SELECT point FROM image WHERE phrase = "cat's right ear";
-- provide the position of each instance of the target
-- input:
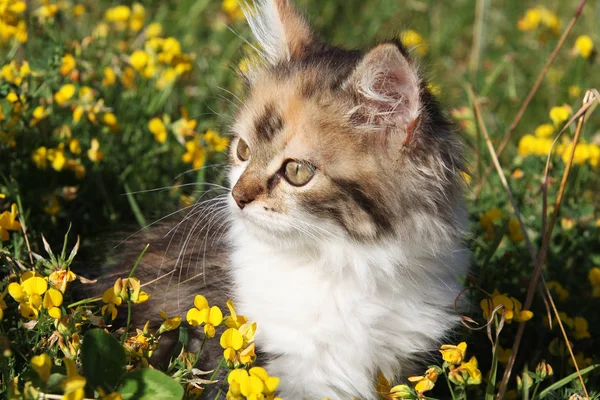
(386, 88)
(281, 31)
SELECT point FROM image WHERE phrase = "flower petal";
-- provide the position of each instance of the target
(200, 302)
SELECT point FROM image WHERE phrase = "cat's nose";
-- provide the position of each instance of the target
(241, 200)
(245, 192)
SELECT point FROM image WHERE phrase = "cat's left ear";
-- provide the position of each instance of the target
(280, 29)
(386, 87)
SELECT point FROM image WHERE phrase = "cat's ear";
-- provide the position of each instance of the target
(386, 87)
(280, 30)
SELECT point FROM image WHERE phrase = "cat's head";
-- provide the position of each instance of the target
(330, 141)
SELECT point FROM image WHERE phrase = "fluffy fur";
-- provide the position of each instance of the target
(356, 270)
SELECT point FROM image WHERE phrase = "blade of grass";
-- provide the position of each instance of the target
(532, 92)
(137, 212)
(564, 381)
(478, 33)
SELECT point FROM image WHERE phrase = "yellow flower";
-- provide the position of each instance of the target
(583, 46)
(238, 345)
(60, 278)
(139, 59)
(110, 309)
(154, 30)
(128, 77)
(514, 231)
(39, 113)
(47, 11)
(232, 9)
(580, 156)
(109, 77)
(453, 354)
(474, 372)
(52, 300)
(253, 384)
(39, 157)
(64, 94)
(94, 152)
(14, 73)
(580, 328)
(195, 154)
(184, 127)
(8, 222)
(171, 48)
(75, 146)
(129, 289)
(544, 131)
(78, 10)
(74, 385)
(234, 320)
(169, 324)
(574, 91)
(158, 128)
(562, 293)
(12, 97)
(211, 317)
(215, 142)
(138, 13)
(413, 41)
(532, 145)
(530, 21)
(426, 381)
(487, 221)
(28, 293)
(511, 307)
(68, 64)
(560, 114)
(467, 373)
(142, 344)
(42, 364)
(110, 120)
(117, 14)
(166, 78)
(57, 157)
(401, 392)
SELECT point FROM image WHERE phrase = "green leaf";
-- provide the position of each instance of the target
(149, 384)
(103, 359)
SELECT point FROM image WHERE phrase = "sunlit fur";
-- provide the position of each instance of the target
(356, 271)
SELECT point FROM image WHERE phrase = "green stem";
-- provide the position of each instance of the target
(221, 363)
(535, 390)
(84, 301)
(138, 260)
(128, 322)
(449, 385)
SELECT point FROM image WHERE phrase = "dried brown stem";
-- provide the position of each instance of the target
(532, 92)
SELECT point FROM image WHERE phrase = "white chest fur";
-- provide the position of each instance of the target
(331, 317)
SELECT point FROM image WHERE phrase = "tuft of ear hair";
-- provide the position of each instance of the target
(281, 31)
(386, 88)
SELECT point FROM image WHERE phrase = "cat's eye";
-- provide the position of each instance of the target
(298, 173)
(243, 151)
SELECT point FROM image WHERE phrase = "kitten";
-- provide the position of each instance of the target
(345, 216)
